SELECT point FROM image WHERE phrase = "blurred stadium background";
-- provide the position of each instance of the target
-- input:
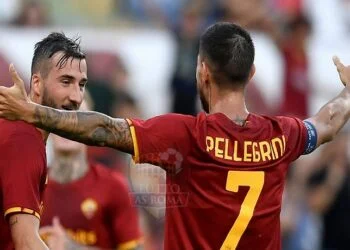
(141, 62)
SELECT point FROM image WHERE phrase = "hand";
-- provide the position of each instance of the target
(343, 71)
(55, 236)
(14, 102)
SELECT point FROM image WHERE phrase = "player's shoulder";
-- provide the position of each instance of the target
(266, 118)
(222, 118)
(107, 175)
(99, 170)
(272, 118)
(254, 121)
(282, 123)
(283, 120)
(12, 128)
(177, 117)
(165, 122)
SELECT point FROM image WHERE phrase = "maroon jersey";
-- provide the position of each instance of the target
(296, 84)
(22, 174)
(96, 210)
(224, 181)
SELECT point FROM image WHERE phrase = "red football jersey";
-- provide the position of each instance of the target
(224, 181)
(96, 210)
(22, 173)
(296, 83)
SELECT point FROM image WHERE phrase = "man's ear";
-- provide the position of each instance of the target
(36, 84)
(252, 72)
(205, 73)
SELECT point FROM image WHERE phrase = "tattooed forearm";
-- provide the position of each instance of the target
(91, 128)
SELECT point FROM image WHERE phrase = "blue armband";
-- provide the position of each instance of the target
(311, 138)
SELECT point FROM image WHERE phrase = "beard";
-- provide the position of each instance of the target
(48, 100)
(204, 102)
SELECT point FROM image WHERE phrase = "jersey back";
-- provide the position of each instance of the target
(228, 179)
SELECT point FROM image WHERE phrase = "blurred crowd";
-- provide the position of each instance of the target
(317, 194)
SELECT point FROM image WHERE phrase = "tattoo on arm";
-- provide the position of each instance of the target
(332, 117)
(13, 221)
(91, 128)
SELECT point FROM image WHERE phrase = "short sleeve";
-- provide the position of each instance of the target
(124, 214)
(22, 166)
(295, 133)
(163, 140)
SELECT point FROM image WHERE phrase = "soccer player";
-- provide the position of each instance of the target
(226, 167)
(58, 80)
(92, 203)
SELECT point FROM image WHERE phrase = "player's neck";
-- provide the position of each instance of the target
(231, 104)
(66, 169)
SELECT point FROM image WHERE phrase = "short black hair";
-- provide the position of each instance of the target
(49, 46)
(229, 51)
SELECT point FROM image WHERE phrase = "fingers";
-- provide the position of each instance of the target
(46, 230)
(2, 90)
(15, 77)
(56, 221)
(338, 63)
(2, 105)
(335, 60)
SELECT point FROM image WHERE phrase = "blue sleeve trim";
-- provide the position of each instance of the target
(311, 137)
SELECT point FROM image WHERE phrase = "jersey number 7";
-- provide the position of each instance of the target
(255, 181)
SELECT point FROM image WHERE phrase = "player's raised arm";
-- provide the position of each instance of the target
(91, 128)
(332, 116)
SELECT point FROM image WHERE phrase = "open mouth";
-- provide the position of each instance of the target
(68, 108)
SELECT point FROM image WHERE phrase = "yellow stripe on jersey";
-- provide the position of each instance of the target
(129, 245)
(134, 140)
(129, 121)
(37, 215)
(13, 210)
(21, 210)
(27, 211)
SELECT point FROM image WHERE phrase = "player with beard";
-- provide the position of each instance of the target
(225, 169)
(87, 206)
(59, 75)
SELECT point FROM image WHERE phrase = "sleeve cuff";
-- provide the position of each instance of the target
(136, 155)
(21, 210)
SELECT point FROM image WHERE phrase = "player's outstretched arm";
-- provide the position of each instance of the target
(332, 116)
(91, 128)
